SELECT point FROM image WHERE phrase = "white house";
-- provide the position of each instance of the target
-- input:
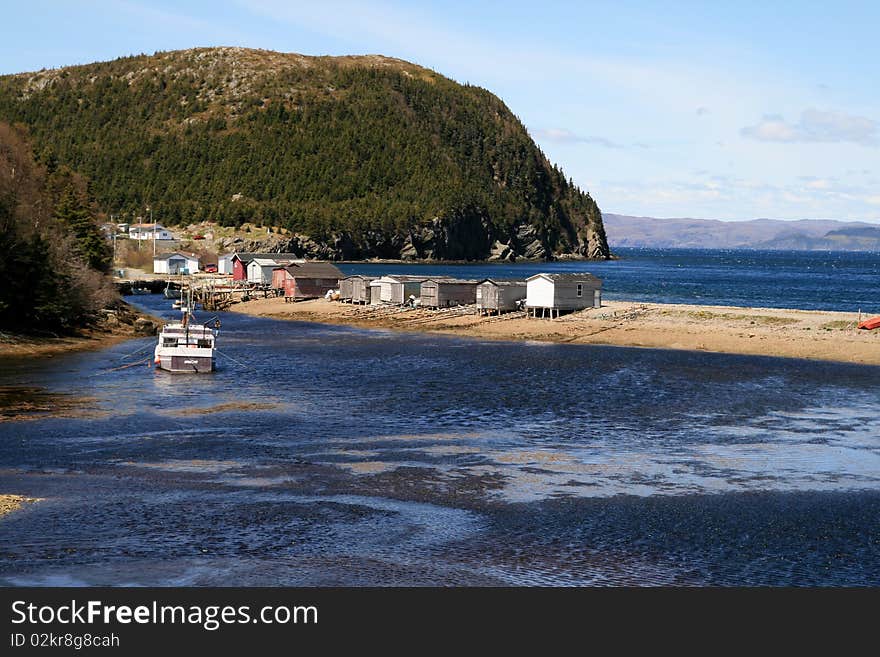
(562, 292)
(176, 263)
(149, 232)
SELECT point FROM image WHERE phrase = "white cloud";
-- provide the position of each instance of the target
(563, 136)
(816, 126)
(804, 198)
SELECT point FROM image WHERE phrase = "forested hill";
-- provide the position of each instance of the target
(55, 258)
(366, 156)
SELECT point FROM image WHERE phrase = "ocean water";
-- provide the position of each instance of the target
(321, 455)
(807, 280)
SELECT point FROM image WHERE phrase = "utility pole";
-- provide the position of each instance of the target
(150, 210)
(113, 228)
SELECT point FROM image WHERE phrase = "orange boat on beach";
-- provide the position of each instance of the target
(870, 324)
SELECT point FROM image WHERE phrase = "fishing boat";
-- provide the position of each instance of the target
(870, 324)
(186, 345)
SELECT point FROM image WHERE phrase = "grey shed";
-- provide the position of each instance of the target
(355, 288)
(446, 292)
(499, 296)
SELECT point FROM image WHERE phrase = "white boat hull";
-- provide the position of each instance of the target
(184, 360)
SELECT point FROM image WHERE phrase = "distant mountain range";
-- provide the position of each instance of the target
(802, 235)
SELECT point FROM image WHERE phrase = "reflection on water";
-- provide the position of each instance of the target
(341, 456)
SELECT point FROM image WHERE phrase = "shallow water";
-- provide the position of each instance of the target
(345, 456)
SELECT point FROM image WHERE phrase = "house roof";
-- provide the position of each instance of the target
(146, 227)
(264, 262)
(584, 277)
(314, 270)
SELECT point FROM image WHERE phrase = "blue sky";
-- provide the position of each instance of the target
(700, 109)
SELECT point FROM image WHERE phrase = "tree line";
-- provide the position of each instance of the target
(55, 258)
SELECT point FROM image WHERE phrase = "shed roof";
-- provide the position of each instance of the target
(246, 257)
(403, 278)
(179, 254)
(504, 282)
(314, 270)
(452, 281)
(264, 262)
(584, 277)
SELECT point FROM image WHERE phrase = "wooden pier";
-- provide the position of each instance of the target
(212, 292)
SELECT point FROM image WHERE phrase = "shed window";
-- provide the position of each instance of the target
(580, 289)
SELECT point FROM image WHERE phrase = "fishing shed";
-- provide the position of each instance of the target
(397, 289)
(260, 270)
(499, 296)
(176, 263)
(558, 293)
(241, 262)
(307, 280)
(375, 292)
(355, 289)
(446, 292)
(224, 264)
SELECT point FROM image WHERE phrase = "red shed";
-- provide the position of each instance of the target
(240, 262)
(239, 266)
(309, 280)
(279, 275)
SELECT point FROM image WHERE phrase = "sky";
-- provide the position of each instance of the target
(718, 110)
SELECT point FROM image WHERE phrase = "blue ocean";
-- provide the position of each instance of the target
(809, 280)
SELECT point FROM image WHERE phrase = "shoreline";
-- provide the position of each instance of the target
(116, 325)
(785, 333)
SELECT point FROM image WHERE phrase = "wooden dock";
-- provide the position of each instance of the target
(212, 292)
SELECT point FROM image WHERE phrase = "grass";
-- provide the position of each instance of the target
(765, 320)
(838, 324)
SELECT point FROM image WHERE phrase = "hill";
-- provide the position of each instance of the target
(356, 156)
(803, 235)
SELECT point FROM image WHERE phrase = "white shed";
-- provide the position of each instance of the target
(259, 270)
(176, 263)
(562, 292)
(397, 289)
(224, 264)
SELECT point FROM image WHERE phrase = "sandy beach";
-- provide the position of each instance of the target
(817, 335)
